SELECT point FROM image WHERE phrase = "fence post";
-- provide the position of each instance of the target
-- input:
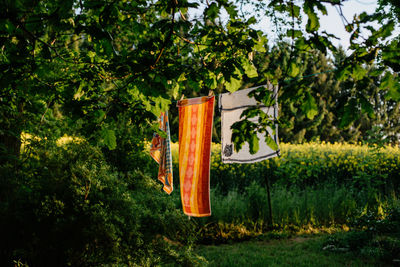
(269, 200)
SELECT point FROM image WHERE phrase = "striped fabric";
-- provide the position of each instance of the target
(195, 126)
(160, 151)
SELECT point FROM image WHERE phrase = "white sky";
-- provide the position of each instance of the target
(332, 23)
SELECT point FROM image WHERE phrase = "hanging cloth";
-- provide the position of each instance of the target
(160, 151)
(232, 105)
(195, 130)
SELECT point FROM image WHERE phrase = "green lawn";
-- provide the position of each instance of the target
(297, 251)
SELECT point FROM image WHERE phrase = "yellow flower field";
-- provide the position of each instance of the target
(312, 163)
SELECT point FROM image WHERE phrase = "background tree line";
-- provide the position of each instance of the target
(331, 98)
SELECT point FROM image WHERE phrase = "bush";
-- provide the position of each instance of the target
(66, 206)
(374, 234)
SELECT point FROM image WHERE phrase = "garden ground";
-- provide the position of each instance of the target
(304, 250)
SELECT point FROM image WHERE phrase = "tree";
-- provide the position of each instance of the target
(103, 71)
(97, 59)
(328, 99)
(378, 48)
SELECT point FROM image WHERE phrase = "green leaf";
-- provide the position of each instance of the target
(309, 107)
(367, 107)
(194, 85)
(350, 114)
(254, 144)
(79, 93)
(294, 70)
(271, 142)
(231, 10)
(109, 138)
(342, 74)
(394, 93)
(211, 80)
(251, 20)
(7, 26)
(387, 81)
(249, 69)
(349, 28)
(294, 33)
(91, 54)
(182, 77)
(260, 45)
(301, 44)
(312, 22)
(392, 85)
(234, 84)
(250, 112)
(295, 11)
(321, 8)
(160, 105)
(385, 31)
(211, 83)
(359, 72)
(212, 11)
(99, 115)
(175, 90)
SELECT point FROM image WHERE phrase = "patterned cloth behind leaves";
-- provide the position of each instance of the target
(160, 151)
(195, 129)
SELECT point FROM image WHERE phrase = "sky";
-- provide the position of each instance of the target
(332, 23)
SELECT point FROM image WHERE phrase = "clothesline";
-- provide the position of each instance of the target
(310, 75)
(196, 116)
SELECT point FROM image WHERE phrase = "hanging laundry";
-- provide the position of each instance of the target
(160, 151)
(232, 105)
(195, 129)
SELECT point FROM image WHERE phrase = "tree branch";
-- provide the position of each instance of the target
(153, 66)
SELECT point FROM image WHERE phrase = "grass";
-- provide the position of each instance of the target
(326, 205)
(294, 251)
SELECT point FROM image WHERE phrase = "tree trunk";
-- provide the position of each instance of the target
(10, 146)
(10, 139)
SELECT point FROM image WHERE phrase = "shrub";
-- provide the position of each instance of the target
(375, 234)
(66, 206)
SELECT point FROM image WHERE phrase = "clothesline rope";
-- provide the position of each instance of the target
(310, 75)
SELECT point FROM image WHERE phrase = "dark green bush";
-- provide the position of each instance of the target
(374, 234)
(66, 206)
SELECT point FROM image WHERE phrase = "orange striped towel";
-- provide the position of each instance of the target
(160, 151)
(195, 129)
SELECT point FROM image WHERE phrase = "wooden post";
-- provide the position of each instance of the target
(269, 200)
